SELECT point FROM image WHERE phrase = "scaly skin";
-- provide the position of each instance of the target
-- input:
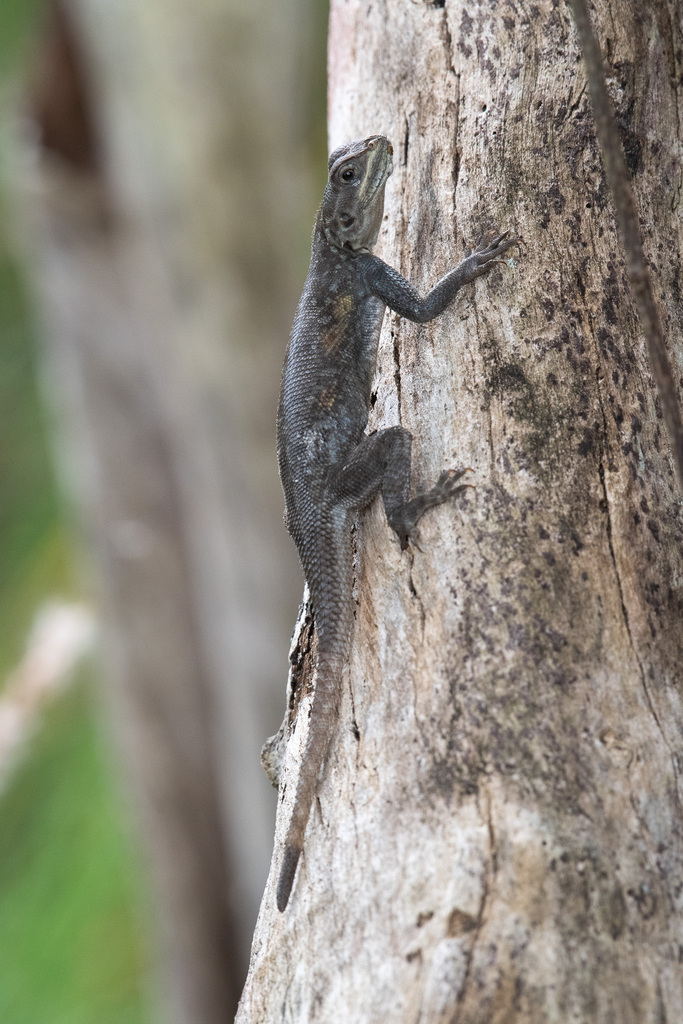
(329, 468)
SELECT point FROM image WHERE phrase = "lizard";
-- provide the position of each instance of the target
(330, 468)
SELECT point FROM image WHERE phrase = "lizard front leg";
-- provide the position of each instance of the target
(399, 294)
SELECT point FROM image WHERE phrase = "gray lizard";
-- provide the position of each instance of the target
(330, 469)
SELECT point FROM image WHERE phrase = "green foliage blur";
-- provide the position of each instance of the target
(70, 944)
(71, 941)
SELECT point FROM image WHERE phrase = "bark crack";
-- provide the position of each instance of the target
(489, 414)
(354, 720)
(406, 143)
(447, 38)
(676, 198)
(574, 107)
(485, 891)
(624, 610)
(416, 596)
(414, 593)
(397, 370)
(493, 847)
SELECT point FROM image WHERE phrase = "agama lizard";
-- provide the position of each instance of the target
(329, 468)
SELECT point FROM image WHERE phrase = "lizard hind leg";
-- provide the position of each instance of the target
(381, 463)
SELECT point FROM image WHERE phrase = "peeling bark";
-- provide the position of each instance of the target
(498, 835)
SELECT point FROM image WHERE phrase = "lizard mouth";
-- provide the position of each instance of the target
(380, 169)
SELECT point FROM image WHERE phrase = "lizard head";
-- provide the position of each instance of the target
(353, 203)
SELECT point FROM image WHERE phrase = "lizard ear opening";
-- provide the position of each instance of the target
(346, 219)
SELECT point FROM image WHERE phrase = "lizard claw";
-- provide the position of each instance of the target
(487, 250)
(447, 480)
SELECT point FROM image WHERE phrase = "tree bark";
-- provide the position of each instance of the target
(498, 835)
(619, 182)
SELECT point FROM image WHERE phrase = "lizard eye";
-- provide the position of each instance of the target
(348, 174)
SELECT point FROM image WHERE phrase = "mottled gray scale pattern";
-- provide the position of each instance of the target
(329, 468)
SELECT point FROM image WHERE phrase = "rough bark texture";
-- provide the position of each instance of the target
(639, 277)
(498, 835)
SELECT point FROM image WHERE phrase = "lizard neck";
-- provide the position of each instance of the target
(326, 244)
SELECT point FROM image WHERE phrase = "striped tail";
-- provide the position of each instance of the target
(323, 716)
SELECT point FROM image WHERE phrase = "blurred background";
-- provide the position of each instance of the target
(160, 165)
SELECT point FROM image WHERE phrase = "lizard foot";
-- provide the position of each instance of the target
(404, 519)
(489, 250)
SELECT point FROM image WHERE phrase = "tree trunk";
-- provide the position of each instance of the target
(498, 835)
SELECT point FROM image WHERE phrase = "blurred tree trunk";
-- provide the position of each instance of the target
(164, 200)
(498, 835)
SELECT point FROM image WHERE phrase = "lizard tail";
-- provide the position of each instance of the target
(323, 715)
